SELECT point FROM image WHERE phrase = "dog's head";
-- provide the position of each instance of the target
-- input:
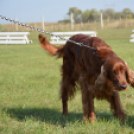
(115, 74)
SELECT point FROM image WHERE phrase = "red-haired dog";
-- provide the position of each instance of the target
(99, 72)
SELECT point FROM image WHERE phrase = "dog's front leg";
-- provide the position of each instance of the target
(91, 112)
(88, 105)
(116, 107)
(85, 104)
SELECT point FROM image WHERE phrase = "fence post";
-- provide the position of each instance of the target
(101, 21)
(42, 22)
(72, 22)
(16, 25)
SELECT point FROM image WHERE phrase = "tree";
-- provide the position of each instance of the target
(72, 10)
(110, 12)
(76, 14)
(129, 16)
(85, 15)
(95, 14)
(127, 13)
(133, 15)
(118, 15)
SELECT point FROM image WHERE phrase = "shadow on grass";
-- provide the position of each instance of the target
(107, 117)
(53, 116)
(130, 121)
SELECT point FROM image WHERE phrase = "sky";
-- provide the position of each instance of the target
(54, 10)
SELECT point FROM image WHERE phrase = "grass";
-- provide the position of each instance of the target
(29, 86)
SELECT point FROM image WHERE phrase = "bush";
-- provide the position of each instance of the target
(2, 28)
(129, 16)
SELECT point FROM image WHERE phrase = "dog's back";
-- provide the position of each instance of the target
(77, 55)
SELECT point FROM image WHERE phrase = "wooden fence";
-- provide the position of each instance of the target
(52, 27)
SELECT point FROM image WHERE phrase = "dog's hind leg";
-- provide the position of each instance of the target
(64, 96)
(84, 92)
(67, 85)
(66, 92)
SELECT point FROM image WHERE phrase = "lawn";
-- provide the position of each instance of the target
(29, 87)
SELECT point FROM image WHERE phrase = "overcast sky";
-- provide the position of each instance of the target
(54, 10)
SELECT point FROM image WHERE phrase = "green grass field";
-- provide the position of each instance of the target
(29, 87)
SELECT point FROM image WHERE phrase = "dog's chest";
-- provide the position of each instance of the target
(96, 87)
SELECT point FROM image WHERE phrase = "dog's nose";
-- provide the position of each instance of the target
(123, 86)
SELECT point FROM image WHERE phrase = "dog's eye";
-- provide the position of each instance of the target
(114, 72)
(123, 70)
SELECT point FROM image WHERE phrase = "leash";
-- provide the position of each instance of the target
(39, 30)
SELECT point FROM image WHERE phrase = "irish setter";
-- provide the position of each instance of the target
(99, 72)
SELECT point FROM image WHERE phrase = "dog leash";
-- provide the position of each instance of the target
(42, 31)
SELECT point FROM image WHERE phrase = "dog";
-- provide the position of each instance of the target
(99, 71)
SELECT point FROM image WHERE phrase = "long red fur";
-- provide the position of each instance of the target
(83, 66)
(46, 45)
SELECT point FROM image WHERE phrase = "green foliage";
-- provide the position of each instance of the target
(2, 28)
(72, 10)
(93, 14)
(76, 14)
(64, 21)
(117, 15)
(129, 16)
(109, 13)
(86, 15)
(127, 11)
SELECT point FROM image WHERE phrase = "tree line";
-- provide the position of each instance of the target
(94, 15)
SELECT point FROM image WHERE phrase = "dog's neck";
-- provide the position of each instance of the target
(108, 58)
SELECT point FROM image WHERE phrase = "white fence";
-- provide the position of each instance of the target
(14, 38)
(67, 35)
(132, 36)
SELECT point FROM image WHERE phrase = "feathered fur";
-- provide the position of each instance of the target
(99, 72)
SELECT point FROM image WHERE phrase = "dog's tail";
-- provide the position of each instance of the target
(52, 49)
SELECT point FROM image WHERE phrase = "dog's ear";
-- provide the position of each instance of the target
(130, 76)
(101, 80)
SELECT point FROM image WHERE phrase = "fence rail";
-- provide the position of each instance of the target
(114, 24)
